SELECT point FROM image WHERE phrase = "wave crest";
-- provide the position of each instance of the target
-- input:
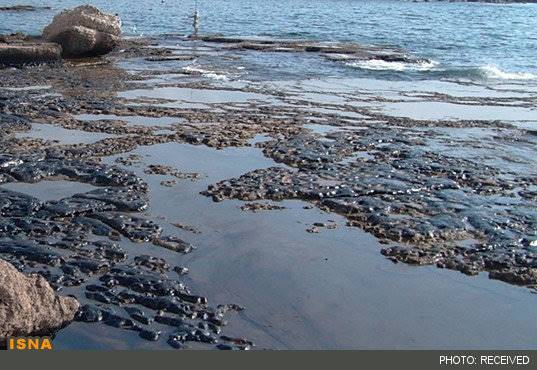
(494, 72)
(382, 65)
(206, 73)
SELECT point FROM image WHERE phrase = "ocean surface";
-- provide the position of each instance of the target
(475, 41)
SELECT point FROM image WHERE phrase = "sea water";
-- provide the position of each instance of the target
(475, 41)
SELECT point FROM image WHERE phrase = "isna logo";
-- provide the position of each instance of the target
(29, 344)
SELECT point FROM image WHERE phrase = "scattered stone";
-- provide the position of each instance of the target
(313, 230)
(155, 169)
(256, 207)
(150, 335)
(152, 263)
(89, 313)
(189, 228)
(173, 243)
(168, 183)
(139, 315)
(180, 270)
(129, 160)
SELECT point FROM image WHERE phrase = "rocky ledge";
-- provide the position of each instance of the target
(22, 8)
(80, 32)
(19, 53)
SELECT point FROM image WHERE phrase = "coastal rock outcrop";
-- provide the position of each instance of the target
(29, 306)
(84, 31)
(14, 54)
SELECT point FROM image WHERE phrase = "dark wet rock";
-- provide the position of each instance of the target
(67, 278)
(97, 227)
(103, 297)
(168, 304)
(155, 169)
(176, 342)
(169, 320)
(90, 266)
(256, 207)
(109, 251)
(208, 326)
(29, 306)
(138, 315)
(144, 282)
(168, 183)
(129, 160)
(224, 308)
(34, 226)
(231, 347)
(189, 228)
(414, 256)
(238, 341)
(180, 270)
(89, 313)
(10, 123)
(152, 263)
(235, 343)
(150, 335)
(519, 276)
(84, 31)
(96, 288)
(14, 204)
(190, 333)
(136, 228)
(70, 207)
(30, 251)
(173, 243)
(123, 198)
(117, 321)
(313, 230)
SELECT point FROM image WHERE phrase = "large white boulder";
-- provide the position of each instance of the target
(84, 31)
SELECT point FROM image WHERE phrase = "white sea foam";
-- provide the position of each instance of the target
(206, 73)
(382, 65)
(494, 72)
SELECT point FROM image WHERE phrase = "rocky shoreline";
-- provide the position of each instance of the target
(391, 176)
(80, 32)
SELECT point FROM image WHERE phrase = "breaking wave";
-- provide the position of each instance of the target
(382, 65)
(487, 72)
(494, 72)
(206, 73)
